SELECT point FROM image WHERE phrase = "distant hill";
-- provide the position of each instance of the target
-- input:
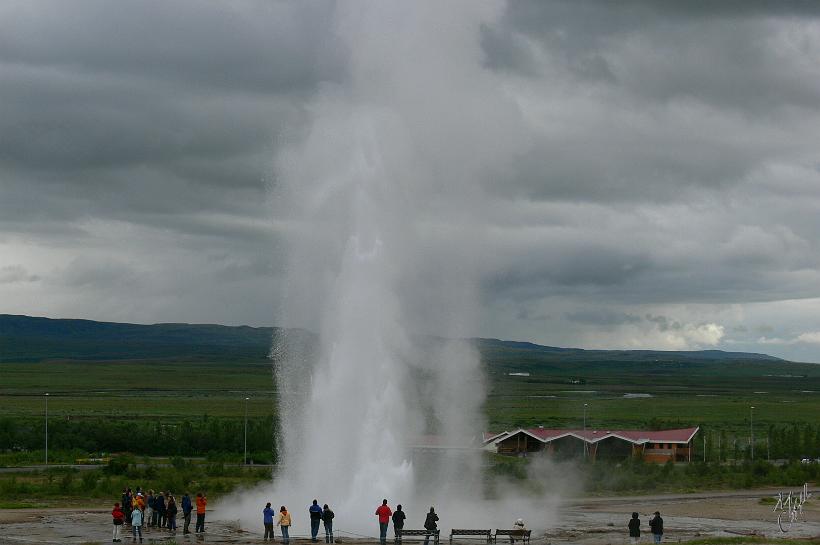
(30, 339)
(631, 355)
(24, 338)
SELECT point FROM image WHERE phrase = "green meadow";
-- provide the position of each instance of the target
(164, 382)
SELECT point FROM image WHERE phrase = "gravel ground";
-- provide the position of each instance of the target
(591, 521)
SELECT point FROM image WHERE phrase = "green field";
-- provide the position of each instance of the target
(171, 377)
(129, 389)
(187, 389)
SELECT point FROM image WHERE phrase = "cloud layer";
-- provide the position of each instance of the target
(640, 174)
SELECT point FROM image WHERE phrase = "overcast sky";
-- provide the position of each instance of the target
(658, 184)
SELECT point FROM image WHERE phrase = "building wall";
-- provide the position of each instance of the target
(611, 448)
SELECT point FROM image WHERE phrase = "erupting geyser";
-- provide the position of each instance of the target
(379, 201)
(360, 397)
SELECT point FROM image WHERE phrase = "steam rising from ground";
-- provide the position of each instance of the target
(382, 203)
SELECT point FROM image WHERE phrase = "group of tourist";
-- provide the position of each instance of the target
(655, 526)
(398, 516)
(151, 510)
(324, 515)
(160, 511)
(283, 520)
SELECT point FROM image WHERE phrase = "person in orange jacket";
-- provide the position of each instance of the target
(119, 519)
(139, 502)
(201, 502)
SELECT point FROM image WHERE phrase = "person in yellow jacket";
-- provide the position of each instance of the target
(284, 522)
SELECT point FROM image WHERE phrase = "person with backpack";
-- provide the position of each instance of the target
(327, 520)
(656, 525)
(284, 522)
(430, 525)
(635, 529)
(315, 518)
(119, 519)
(267, 520)
(398, 521)
(187, 507)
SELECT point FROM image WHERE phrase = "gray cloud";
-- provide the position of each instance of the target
(13, 274)
(602, 317)
(618, 173)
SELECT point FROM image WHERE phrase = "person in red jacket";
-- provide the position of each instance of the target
(119, 518)
(383, 512)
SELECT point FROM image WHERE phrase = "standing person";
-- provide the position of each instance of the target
(267, 519)
(430, 525)
(635, 528)
(398, 521)
(159, 505)
(384, 513)
(201, 503)
(284, 522)
(128, 506)
(171, 513)
(136, 524)
(119, 518)
(187, 507)
(315, 518)
(327, 519)
(149, 509)
(656, 525)
(125, 505)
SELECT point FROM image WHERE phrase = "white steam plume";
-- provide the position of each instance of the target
(383, 199)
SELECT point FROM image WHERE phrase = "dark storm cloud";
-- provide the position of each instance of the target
(641, 159)
(724, 53)
(131, 110)
(253, 47)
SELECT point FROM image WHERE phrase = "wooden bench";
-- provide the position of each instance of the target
(523, 535)
(486, 534)
(419, 534)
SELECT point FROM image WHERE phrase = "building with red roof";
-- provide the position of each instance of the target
(658, 446)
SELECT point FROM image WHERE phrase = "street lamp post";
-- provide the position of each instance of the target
(752, 429)
(246, 430)
(46, 428)
(585, 431)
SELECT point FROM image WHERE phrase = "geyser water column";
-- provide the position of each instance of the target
(354, 416)
(380, 200)
(346, 411)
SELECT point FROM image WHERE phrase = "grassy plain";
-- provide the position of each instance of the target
(715, 394)
(131, 389)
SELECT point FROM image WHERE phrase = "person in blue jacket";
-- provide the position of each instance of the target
(315, 519)
(267, 514)
(187, 507)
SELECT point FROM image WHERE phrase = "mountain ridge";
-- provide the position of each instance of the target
(31, 338)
